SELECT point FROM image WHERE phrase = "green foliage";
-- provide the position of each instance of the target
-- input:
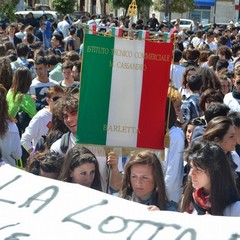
(7, 8)
(125, 3)
(178, 6)
(64, 6)
(159, 5)
(181, 6)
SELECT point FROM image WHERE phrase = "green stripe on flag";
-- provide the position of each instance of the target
(166, 37)
(88, 29)
(140, 34)
(96, 85)
(114, 31)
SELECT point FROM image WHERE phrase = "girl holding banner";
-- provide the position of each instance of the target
(143, 182)
(81, 166)
(211, 188)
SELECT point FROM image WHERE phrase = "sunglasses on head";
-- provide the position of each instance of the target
(55, 98)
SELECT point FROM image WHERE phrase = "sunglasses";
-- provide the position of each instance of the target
(55, 98)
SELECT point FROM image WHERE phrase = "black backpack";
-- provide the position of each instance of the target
(40, 146)
(65, 142)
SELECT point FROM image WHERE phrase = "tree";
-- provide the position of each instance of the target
(8, 9)
(178, 6)
(103, 6)
(64, 6)
(125, 3)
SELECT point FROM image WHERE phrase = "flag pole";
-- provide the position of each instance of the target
(167, 137)
(132, 11)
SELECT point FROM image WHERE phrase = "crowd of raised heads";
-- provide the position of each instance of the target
(198, 173)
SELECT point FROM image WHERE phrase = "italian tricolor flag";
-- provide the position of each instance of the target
(116, 31)
(168, 37)
(91, 29)
(123, 92)
(143, 34)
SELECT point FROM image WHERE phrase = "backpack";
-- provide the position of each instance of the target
(17, 65)
(65, 142)
(195, 113)
(43, 142)
(23, 121)
(22, 118)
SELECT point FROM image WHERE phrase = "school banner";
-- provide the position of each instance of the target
(123, 92)
(37, 208)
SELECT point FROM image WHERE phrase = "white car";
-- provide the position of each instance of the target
(208, 26)
(184, 23)
(51, 15)
(97, 21)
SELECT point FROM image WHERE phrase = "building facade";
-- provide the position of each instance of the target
(209, 11)
(205, 11)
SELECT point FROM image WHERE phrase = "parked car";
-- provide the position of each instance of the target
(38, 7)
(184, 23)
(29, 8)
(102, 15)
(79, 14)
(4, 21)
(43, 7)
(208, 26)
(51, 15)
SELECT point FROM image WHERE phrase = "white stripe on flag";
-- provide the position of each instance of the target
(91, 29)
(167, 37)
(141, 34)
(123, 96)
(116, 31)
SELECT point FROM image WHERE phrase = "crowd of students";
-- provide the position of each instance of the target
(198, 173)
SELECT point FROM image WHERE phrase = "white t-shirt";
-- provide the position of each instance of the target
(64, 26)
(212, 45)
(38, 126)
(196, 41)
(233, 210)
(231, 102)
(39, 90)
(176, 75)
(236, 160)
(10, 145)
(173, 164)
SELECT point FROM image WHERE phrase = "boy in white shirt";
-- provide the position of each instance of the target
(41, 83)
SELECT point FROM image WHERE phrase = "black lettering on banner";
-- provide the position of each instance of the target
(235, 236)
(13, 180)
(190, 231)
(55, 190)
(5, 185)
(7, 201)
(70, 219)
(15, 236)
(159, 227)
(10, 225)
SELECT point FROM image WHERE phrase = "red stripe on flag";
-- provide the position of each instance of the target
(147, 34)
(120, 32)
(173, 36)
(154, 93)
(94, 29)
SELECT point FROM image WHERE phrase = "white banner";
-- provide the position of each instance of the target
(39, 208)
